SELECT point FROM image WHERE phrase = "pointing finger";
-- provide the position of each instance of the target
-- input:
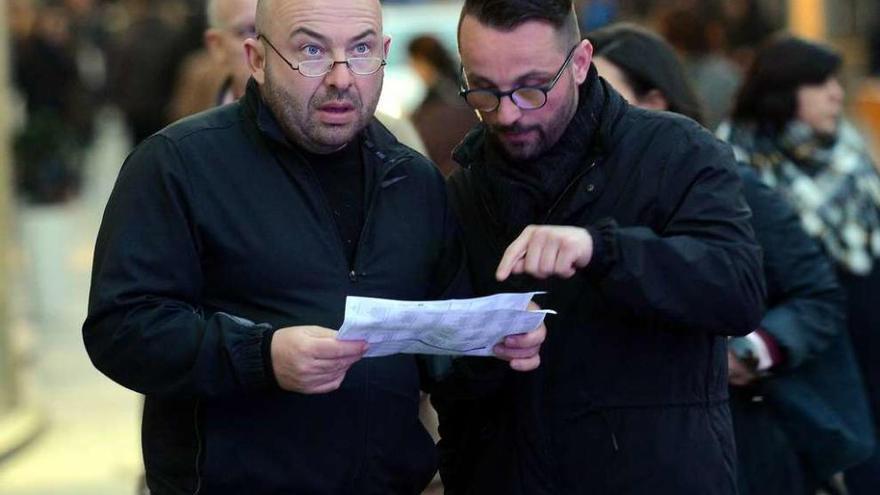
(513, 254)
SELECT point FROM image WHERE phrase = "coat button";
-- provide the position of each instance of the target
(352, 275)
(591, 187)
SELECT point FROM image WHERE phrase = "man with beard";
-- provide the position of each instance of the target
(634, 223)
(227, 249)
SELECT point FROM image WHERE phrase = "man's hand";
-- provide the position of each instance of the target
(309, 359)
(543, 251)
(522, 350)
(739, 373)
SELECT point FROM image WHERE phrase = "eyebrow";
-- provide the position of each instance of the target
(320, 37)
(366, 34)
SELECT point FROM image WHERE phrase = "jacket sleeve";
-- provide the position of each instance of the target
(698, 268)
(145, 328)
(805, 304)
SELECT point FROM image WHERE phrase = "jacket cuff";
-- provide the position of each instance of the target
(266, 353)
(770, 353)
(605, 248)
(252, 352)
(759, 349)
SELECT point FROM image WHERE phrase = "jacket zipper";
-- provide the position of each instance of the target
(328, 211)
(353, 274)
(353, 277)
(352, 267)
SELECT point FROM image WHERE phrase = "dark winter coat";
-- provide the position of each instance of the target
(631, 395)
(216, 234)
(810, 418)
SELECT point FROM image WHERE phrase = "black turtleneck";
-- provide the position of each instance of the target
(341, 175)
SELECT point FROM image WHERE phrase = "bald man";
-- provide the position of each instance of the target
(227, 249)
(230, 23)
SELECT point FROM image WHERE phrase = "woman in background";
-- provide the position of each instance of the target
(787, 123)
(443, 118)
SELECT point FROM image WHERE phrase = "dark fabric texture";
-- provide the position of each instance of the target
(864, 478)
(215, 234)
(341, 175)
(863, 314)
(767, 462)
(631, 396)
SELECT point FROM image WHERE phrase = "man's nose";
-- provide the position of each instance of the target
(339, 76)
(507, 112)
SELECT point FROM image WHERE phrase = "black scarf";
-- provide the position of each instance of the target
(523, 192)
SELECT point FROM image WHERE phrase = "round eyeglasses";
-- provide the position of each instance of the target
(524, 97)
(362, 66)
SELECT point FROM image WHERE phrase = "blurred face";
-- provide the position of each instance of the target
(226, 41)
(529, 55)
(615, 77)
(820, 105)
(423, 69)
(322, 113)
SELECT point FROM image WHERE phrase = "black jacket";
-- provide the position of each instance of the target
(216, 222)
(631, 394)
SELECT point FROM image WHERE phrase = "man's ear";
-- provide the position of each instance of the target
(256, 59)
(213, 39)
(583, 56)
(386, 44)
(654, 100)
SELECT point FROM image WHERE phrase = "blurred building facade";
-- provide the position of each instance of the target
(16, 427)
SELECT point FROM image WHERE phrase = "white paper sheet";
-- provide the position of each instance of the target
(456, 326)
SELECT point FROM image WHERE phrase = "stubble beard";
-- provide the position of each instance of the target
(300, 122)
(547, 135)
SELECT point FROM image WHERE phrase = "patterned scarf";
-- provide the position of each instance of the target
(832, 183)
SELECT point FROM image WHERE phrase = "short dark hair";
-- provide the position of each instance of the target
(768, 95)
(506, 15)
(648, 63)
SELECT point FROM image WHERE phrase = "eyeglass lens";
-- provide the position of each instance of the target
(525, 98)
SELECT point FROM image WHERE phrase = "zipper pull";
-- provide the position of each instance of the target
(353, 276)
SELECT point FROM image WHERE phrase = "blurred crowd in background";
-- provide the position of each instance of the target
(71, 58)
